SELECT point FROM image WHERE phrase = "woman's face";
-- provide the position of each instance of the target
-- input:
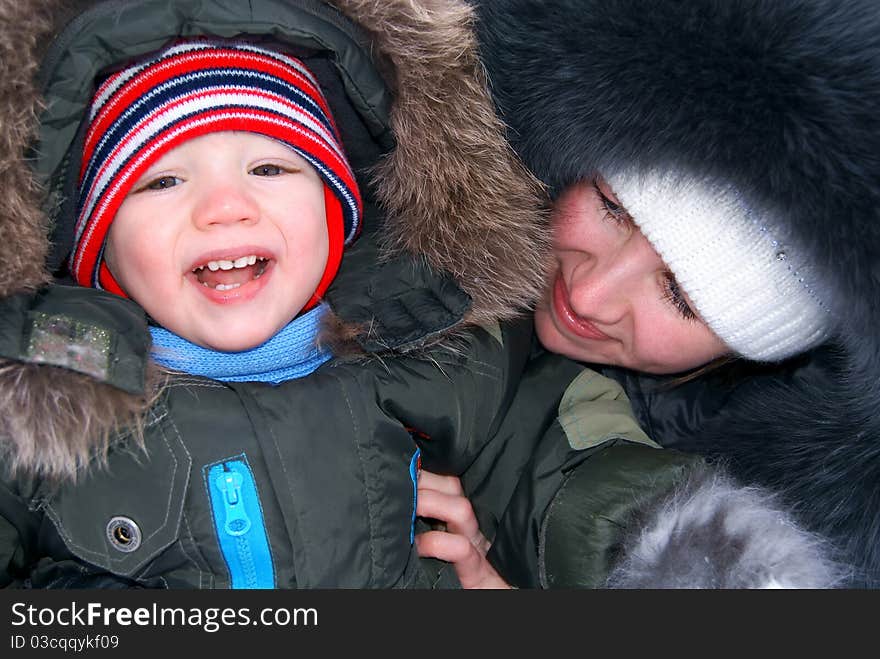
(611, 299)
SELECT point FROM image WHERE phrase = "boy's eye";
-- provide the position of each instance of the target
(673, 295)
(162, 183)
(267, 170)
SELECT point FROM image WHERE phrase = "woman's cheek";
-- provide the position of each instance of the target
(674, 349)
(545, 329)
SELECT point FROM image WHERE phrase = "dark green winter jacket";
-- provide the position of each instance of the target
(309, 483)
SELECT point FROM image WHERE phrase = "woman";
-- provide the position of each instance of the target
(732, 147)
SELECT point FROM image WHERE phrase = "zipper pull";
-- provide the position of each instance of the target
(237, 522)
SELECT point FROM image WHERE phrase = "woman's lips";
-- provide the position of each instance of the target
(568, 318)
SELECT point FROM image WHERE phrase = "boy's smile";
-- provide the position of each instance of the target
(230, 272)
(223, 240)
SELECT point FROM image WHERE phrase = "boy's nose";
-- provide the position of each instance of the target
(225, 203)
(605, 287)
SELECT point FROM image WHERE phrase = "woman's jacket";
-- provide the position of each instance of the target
(779, 99)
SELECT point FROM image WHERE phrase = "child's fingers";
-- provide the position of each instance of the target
(445, 484)
(454, 549)
(448, 547)
(455, 510)
(473, 570)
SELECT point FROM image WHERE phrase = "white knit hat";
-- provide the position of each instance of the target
(754, 291)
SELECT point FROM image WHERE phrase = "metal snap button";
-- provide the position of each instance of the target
(124, 534)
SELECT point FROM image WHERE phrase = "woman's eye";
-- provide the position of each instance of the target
(267, 170)
(162, 183)
(673, 295)
(612, 210)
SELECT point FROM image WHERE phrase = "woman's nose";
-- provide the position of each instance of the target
(225, 202)
(605, 287)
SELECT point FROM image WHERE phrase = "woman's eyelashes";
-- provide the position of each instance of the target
(673, 294)
(611, 210)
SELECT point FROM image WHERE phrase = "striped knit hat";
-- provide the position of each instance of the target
(188, 90)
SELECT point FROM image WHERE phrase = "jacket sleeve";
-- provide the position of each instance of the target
(79, 329)
(454, 398)
(598, 504)
(565, 419)
(72, 359)
(706, 531)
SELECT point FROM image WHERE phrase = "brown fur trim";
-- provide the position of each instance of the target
(339, 337)
(71, 420)
(23, 228)
(453, 189)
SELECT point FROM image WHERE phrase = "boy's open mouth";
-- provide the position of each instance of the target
(224, 275)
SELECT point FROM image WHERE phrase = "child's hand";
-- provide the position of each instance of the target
(462, 544)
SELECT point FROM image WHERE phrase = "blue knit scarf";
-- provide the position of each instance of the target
(292, 353)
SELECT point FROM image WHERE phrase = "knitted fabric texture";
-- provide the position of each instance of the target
(757, 293)
(291, 353)
(192, 89)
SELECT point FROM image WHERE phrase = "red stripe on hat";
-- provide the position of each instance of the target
(186, 65)
(336, 241)
(108, 281)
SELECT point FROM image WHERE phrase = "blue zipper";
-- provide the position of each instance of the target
(238, 520)
(415, 465)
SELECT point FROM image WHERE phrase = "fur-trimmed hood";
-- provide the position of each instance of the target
(451, 190)
(780, 100)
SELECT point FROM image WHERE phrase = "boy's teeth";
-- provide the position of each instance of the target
(223, 264)
(221, 287)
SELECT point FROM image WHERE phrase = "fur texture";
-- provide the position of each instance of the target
(454, 193)
(711, 532)
(453, 188)
(22, 226)
(70, 421)
(780, 99)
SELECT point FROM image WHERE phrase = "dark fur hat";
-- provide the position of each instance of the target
(781, 100)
